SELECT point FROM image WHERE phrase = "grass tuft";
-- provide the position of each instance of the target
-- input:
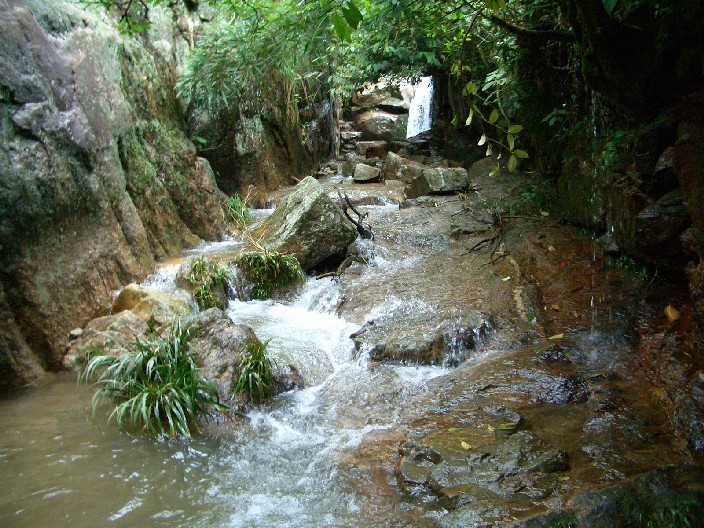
(255, 378)
(156, 385)
(270, 270)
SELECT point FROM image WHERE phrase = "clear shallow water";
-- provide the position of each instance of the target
(279, 467)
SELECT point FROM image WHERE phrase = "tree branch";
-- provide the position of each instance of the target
(536, 35)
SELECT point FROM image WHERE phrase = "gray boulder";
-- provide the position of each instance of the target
(400, 168)
(308, 224)
(378, 125)
(366, 174)
(439, 180)
(219, 344)
(105, 335)
(383, 96)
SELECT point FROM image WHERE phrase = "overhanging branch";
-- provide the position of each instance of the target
(536, 35)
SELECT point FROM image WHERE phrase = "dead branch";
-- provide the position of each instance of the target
(364, 231)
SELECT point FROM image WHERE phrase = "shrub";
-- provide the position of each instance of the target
(206, 277)
(156, 385)
(255, 378)
(238, 209)
(270, 270)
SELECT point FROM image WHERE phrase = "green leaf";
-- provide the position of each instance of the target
(482, 140)
(493, 116)
(512, 163)
(352, 15)
(495, 171)
(610, 5)
(510, 140)
(469, 89)
(515, 129)
(341, 28)
(469, 117)
(521, 154)
(454, 121)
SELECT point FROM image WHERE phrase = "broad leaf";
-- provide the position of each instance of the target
(512, 163)
(482, 140)
(510, 140)
(341, 28)
(521, 154)
(352, 15)
(514, 129)
(493, 116)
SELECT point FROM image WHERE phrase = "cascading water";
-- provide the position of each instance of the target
(420, 112)
(278, 467)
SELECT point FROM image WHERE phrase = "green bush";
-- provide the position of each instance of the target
(206, 278)
(238, 209)
(270, 270)
(156, 385)
(255, 378)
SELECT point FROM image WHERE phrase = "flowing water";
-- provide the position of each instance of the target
(324, 455)
(276, 468)
(420, 112)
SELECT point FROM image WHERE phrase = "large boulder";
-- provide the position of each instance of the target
(439, 180)
(366, 174)
(384, 96)
(308, 224)
(219, 344)
(400, 168)
(379, 125)
(155, 307)
(109, 335)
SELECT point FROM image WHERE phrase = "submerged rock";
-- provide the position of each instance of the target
(155, 307)
(422, 336)
(308, 224)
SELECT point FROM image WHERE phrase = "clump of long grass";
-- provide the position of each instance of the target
(156, 386)
(206, 278)
(269, 270)
(255, 379)
(238, 210)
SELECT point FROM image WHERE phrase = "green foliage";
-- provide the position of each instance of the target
(255, 378)
(683, 513)
(206, 278)
(633, 270)
(156, 385)
(270, 270)
(238, 209)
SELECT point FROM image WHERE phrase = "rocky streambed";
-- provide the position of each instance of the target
(471, 367)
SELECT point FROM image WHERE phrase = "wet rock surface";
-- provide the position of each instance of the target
(552, 401)
(308, 224)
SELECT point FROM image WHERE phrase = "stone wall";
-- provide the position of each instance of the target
(97, 176)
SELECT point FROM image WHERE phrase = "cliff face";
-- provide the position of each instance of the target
(97, 176)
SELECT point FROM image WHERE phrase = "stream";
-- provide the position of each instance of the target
(325, 455)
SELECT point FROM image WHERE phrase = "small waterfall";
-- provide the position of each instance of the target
(419, 114)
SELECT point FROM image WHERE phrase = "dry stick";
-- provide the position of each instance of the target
(363, 231)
